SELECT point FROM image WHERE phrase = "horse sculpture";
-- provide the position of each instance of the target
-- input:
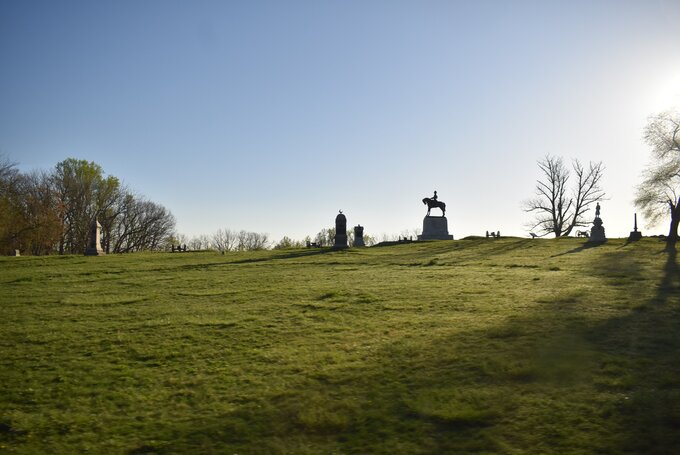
(431, 203)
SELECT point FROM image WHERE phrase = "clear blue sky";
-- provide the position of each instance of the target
(272, 115)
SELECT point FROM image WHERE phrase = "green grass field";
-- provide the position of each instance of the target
(472, 346)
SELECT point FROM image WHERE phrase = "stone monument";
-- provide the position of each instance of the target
(340, 231)
(435, 227)
(94, 246)
(597, 231)
(635, 234)
(358, 236)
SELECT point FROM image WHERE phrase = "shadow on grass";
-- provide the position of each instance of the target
(458, 251)
(289, 255)
(585, 246)
(669, 285)
(645, 347)
(553, 381)
(271, 257)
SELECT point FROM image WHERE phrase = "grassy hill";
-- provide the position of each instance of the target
(471, 346)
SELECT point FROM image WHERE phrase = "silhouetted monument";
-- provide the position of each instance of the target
(433, 202)
(635, 234)
(597, 231)
(340, 231)
(358, 236)
(435, 227)
(94, 247)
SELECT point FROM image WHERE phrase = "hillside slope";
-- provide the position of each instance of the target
(484, 346)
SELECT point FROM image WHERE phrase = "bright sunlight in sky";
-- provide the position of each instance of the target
(270, 116)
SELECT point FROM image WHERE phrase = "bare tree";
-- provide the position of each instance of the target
(412, 233)
(223, 240)
(558, 208)
(659, 192)
(8, 170)
(248, 241)
(200, 242)
(142, 225)
(258, 241)
(29, 218)
(42, 221)
(325, 236)
(11, 219)
(288, 243)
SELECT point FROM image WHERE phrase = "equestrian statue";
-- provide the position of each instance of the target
(434, 203)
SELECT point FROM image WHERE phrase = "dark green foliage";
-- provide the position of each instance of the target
(475, 346)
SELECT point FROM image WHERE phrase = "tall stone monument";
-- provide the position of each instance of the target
(340, 231)
(597, 231)
(358, 236)
(635, 234)
(94, 246)
(435, 227)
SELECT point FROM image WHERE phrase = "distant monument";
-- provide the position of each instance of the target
(597, 231)
(340, 231)
(635, 234)
(94, 246)
(435, 227)
(358, 236)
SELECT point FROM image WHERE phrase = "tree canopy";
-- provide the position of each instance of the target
(47, 212)
(659, 193)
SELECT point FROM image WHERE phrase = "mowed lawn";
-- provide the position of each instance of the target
(470, 346)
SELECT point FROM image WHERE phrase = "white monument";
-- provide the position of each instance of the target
(94, 246)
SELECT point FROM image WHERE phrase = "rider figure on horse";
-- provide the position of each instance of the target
(433, 202)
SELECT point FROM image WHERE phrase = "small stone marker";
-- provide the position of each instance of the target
(597, 231)
(340, 231)
(94, 247)
(635, 234)
(358, 236)
(16, 253)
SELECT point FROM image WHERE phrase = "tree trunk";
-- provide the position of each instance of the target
(675, 220)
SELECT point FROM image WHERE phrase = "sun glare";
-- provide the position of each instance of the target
(667, 95)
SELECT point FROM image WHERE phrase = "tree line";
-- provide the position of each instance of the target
(226, 240)
(45, 212)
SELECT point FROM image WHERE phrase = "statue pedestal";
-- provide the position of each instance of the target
(597, 231)
(340, 241)
(94, 252)
(634, 236)
(435, 228)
